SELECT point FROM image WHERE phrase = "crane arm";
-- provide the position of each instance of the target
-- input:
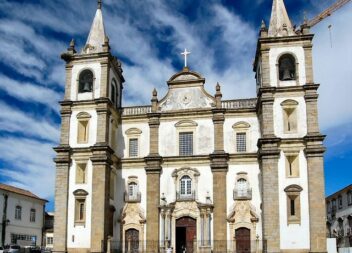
(327, 12)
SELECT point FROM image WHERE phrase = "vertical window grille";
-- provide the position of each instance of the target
(133, 147)
(241, 142)
(32, 215)
(186, 143)
(18, 212)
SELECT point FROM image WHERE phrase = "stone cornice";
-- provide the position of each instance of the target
(153, 164)
(63, 155)
(101, 154)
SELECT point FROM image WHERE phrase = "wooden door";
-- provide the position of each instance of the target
(243, 240)
(189, 226)
(132, 241)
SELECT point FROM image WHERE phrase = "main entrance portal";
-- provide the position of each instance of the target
(243, 240)
(186, 231)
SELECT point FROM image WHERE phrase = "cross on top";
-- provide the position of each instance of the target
(185, 53)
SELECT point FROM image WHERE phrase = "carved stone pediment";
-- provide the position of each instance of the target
(243, 212)
(186, 91)
(80, 193)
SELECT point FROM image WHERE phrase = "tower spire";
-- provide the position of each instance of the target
(96, 37)
(280, 24)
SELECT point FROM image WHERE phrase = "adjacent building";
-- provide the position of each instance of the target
(48, 236)
(22, 214)
(191, 171)
(339, 217)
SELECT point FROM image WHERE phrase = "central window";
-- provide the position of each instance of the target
(186, 186)
(186, 143)
(242, 187)
(241, 142)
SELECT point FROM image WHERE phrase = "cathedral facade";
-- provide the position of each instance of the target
(192, 172)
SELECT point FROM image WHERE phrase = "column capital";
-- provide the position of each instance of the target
(153, 164)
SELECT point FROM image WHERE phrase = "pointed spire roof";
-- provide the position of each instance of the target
(97, 34)
(280, 24)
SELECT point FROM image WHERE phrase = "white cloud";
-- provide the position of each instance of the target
(30, 92)
(31, 165)
(332, 68)
(15, 121)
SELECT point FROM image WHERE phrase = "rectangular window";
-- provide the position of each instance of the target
(80, 210)
(49, 240)
(241, 142)
(186, 143)
(133, 147)
(349, 198)
(18, 213)
(32, 215)
(82, 131)
(81, 173)
(340, 202)
(293, 210)
(292, 166)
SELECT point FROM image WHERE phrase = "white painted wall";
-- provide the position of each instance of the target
(274, 55)
(23, 226)
(253, 174)
(301, 238)
(230, 135)
(74, 128)
(143, 138)
(95, 67)
(203, 137)
(279, 118)
(81, 234)
(121, 187)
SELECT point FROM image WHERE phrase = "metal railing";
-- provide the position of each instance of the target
(136, 198)
(194, 246)
(242, 195)
(185, 197)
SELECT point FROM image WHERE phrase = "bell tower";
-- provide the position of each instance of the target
(291, 145)
(85, 160)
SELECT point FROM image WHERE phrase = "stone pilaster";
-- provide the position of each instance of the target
(103, 122)
(308, 58)
(266, 112)
(101, 161)
(315, 162)
(265, 67)
(68, 81)
(153, 169)
(104, 78)
(268, 161)
(65, 122)
(219, 167)
(62, 161)
(311, 98)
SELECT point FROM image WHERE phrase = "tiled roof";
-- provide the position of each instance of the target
(19, 191)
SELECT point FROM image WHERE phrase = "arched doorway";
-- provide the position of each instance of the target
(243, 240)
(132, 241)
(186, 231)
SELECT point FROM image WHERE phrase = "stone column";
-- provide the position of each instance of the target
(219, 169)
(315, 162)
(266, 112)
(153, 169)
(101, 160)
(63, 162)
(265, 66)
(102, 122)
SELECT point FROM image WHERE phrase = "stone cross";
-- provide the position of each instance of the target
(185, 53)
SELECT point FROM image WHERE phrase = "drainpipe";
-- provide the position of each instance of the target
(4, 220)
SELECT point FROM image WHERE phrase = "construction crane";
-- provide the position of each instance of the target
(327, 12)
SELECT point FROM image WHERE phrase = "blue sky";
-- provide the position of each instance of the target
(148, 37)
